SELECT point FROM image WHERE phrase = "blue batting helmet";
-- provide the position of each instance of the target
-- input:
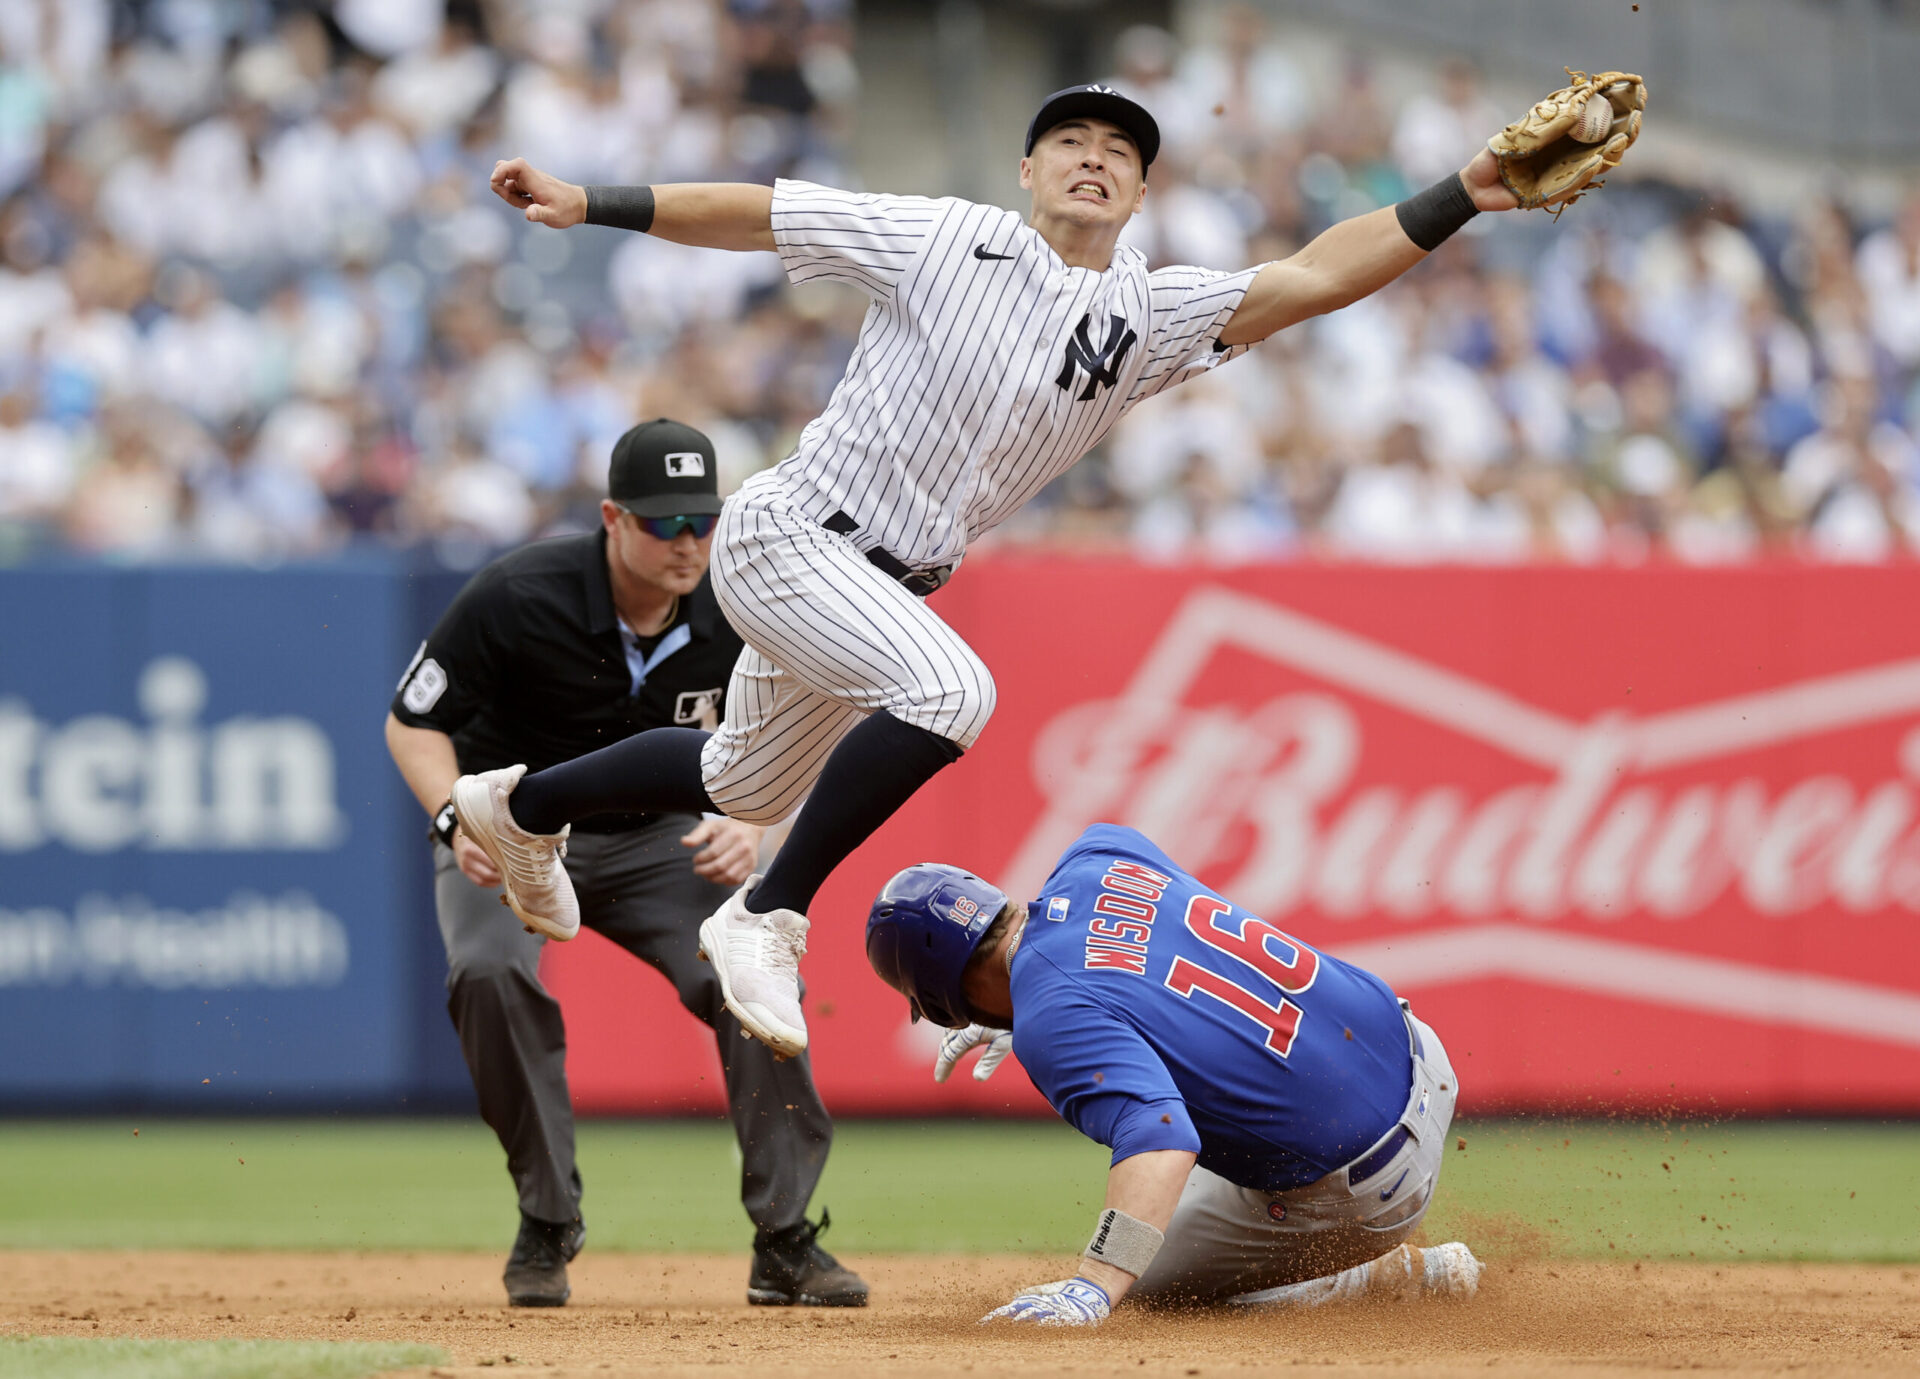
(923, 926)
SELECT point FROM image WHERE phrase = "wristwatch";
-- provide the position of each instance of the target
(445, 821)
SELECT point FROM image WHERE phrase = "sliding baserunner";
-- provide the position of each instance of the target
(1278, 1118)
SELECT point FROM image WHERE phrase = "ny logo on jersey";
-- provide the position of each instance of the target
(1102, 365)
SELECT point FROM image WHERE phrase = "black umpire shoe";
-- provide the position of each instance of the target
(537, 1269)
(790, 1269)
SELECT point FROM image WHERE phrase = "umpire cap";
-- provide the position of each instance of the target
(664, 468)
(1094, 101)
(923, 928)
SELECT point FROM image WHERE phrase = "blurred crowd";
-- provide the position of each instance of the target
(1656, 375)
(256, 301)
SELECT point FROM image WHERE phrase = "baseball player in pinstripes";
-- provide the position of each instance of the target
(996, 352)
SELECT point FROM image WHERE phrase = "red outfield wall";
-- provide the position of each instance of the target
(1627, 838)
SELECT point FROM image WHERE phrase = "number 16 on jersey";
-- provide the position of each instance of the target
(1249, 946)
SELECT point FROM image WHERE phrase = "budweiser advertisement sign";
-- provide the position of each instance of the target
(1629, 839)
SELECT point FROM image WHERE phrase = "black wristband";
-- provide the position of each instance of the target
(445, 821)
(1430, 216)
(624, 208)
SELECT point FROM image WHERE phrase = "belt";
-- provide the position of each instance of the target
(1414, 1046)
(916, 582)
(1377, 1158)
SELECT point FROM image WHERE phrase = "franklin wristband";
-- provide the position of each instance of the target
(1428, 217)
(624, 208)
(1126, 1242)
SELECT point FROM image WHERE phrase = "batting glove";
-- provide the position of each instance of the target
(999, 1043)
(1071, 1302)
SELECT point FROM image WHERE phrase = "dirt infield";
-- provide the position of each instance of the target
(684, 1314)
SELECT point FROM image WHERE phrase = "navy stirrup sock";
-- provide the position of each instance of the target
(651, 772)
(872, 772)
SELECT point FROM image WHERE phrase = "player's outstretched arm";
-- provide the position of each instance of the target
(1358, 257)
(1482, 180)
(546, 199)
(1144, 1189)
(708, 215)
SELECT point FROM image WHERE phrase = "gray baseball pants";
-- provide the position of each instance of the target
(639, 889)
(1225, 1241)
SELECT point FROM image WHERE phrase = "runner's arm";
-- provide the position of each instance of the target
(1146, 1187)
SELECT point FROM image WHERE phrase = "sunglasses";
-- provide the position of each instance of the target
(667, 528)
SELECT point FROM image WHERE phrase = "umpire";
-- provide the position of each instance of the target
(549, 652)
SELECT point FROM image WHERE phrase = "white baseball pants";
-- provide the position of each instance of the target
(829, 639)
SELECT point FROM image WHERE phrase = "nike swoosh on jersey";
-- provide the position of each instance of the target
(980, 252)
(1386, 1194)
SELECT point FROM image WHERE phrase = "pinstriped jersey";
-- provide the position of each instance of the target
(986, 364)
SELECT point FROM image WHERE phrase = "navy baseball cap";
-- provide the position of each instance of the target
(1094, 101)
(664, 468)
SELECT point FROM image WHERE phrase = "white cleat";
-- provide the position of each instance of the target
(533, 882)
(757, 958)
(1402, 1274)
(1452, 1271)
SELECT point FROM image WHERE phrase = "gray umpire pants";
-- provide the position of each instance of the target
(639, 889)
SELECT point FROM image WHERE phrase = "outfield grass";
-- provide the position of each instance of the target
(442, 1184)
(48, 1357)
(1791, 1190)
(1597, 1188)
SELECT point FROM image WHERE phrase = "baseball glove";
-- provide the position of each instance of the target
(1542, 161)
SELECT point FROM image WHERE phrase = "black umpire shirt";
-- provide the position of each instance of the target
(528, 664)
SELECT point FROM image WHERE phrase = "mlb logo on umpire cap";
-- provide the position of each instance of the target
(664, 468)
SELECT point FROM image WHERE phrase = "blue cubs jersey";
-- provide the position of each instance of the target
(1154, 1014)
